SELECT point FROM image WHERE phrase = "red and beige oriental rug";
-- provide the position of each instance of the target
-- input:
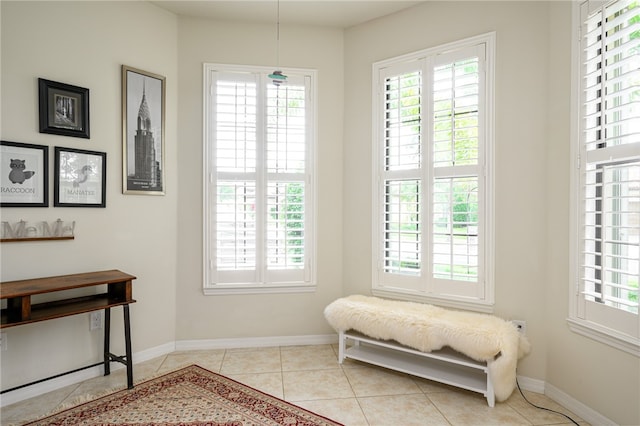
(190, 396)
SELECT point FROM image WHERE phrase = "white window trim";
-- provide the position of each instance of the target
(310, 284)
(486, 304)
(576, 324)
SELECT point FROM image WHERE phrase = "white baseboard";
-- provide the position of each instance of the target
(152, 353)
(575, 406)
(79, 376)
(49, 385)
(256, 342)
(532, 385)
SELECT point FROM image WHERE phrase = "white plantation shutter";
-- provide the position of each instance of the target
(235, 225)
(286, 164)
(235, 156)
(458, 147)
(456, 112)
(455, 229)
(402, 174)
(402, 121)
(259, 191)
(286, 127)
(431, 194)
(285, 225)
(402, 236)
(609, 168)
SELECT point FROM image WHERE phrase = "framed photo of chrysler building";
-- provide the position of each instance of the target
(143, 115)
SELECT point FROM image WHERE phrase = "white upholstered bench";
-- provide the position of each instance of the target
(444, 366)
(469, 350)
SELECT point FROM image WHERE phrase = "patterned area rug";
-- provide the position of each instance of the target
(190, 396)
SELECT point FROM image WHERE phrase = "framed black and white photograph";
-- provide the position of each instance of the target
(24, 175)
(80, 178)
(64, 109)
(143, 117)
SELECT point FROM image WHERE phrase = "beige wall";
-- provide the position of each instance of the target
(532, 181)
(606, 379)
(84, 44)
(215, 317)
(520, 110)
(159, 239)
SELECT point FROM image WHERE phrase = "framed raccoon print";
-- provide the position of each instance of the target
(24, 175)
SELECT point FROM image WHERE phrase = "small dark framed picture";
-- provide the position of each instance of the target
(80, 178)
(24, 175)
(64, 109)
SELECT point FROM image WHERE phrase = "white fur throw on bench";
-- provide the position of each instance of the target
(429, 328)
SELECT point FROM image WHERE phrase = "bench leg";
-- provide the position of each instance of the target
(491, 396)
(341, 342)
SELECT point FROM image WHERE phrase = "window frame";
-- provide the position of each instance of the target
(599, 325)
(483, 300)
(259, 284)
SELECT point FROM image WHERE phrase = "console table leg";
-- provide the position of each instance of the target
(107, 338)
(127, 339)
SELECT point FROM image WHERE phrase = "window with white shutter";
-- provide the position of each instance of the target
(607, 182)
(433, 127)
(259, 180)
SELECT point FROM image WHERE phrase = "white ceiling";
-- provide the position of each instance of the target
(343, 13)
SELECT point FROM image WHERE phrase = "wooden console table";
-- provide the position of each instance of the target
(20, 309)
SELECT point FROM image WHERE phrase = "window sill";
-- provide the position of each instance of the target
(467, 305)
(234, 289)
(605, 335)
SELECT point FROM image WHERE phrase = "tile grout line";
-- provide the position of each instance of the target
(284, 396)
(342, 368)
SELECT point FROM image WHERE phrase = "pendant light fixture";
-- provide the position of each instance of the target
(277, 76)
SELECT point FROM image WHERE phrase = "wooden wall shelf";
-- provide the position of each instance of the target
(15, 240)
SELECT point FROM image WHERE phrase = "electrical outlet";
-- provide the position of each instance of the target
(522, 326)
(95, 321)
(3, 342)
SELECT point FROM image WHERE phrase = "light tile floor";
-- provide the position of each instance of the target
(309, 376)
